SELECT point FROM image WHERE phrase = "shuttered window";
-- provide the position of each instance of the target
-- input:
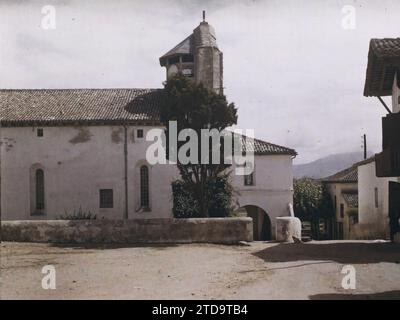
(144, 187)
(39, 177)
(106, 198)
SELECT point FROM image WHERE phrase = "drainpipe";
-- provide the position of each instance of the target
(126, 170)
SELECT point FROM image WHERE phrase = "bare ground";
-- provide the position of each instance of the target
(202, 271)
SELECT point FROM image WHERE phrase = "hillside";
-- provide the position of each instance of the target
(326, 166)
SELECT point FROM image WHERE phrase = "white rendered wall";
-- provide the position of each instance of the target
(78, 161)
(369, 214)
(273, 188)
(75, 171)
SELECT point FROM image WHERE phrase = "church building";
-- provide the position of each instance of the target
(65, 150)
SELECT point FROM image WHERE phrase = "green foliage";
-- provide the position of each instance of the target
(311, 200)
(220, 192)
(195, 107)
(184, 204)
(78, 215)
(222, 195)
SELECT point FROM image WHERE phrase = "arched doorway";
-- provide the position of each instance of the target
(261, 222)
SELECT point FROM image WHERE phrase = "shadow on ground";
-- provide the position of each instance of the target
(345, 253)
(387, 295)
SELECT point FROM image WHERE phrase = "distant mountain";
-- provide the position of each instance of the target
(327, 166)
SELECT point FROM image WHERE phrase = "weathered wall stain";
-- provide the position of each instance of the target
(82, 136)
(132, 136)
(116, 135)
(8, 143)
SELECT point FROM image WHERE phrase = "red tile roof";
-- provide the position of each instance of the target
(54, 107)
(349, 175)
(383, 63)
(262, 147)
(351, 199)
(90, 106)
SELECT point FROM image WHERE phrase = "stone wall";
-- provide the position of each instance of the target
(369, 231)
(211, 230)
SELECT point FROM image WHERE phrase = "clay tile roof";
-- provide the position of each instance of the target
(89, 106)
(53, 107)
(260, 147)
(349, 175)
(366, 161)
(351, 199)
(383, 63)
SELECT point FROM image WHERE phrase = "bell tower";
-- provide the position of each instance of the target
(197, 57)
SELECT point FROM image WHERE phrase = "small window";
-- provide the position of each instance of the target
(139, 133)
(39, 132)
(353, 218)
(144, 187)
(342, 210)
(106, 198)
(173, 60)
(376, 198)
(187, 58)
(249, 179)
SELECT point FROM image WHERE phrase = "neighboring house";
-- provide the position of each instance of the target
(66, 149)
(361, 202)
(383, 79)
(343, 188)
(373, 199)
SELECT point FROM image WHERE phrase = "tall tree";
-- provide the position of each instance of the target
(311, 199)
(196, 107)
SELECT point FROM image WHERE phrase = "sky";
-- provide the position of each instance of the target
(295, 69)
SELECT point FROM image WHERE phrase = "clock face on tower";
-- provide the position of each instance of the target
(172, 70)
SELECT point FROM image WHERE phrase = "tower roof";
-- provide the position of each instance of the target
(203, 35)
(184, 47)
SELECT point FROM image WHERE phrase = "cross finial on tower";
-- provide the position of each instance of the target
(204, 15)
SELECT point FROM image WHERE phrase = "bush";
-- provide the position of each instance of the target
(78, 215)
(186, 206)
(311, 199)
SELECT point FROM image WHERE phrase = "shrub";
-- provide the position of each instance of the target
(78, 215)
(311, 199)
(221, 195)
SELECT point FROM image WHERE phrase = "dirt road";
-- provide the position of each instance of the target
(200, 271)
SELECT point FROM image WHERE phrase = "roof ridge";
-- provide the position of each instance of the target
(365, 161)
(340, 174)
(177, 46)
(266, 142)
(67, 89)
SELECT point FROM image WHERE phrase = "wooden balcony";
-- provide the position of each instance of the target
(391, 131)
(388, 163)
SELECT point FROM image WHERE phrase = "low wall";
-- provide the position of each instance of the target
(369, 231)
(212, 230)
